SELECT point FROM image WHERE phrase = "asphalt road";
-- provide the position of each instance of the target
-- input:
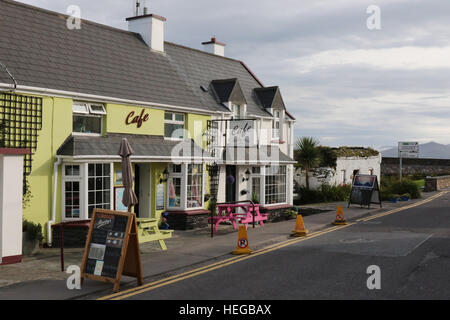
(411, 248)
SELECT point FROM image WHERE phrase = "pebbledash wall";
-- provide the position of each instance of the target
(57, 119)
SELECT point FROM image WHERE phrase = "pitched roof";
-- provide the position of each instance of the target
(40, 51)
(270, 97)
(228, 90)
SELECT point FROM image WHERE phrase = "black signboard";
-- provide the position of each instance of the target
(112, 248)
(365, 191)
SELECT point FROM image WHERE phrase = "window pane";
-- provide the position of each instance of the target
(179, 117)
(84, 124)
(275, 184)
(80, 108)
(169, 130)
(168, 116)
(175, 192)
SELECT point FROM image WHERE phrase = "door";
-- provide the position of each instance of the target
(230, 183)
(142, 189)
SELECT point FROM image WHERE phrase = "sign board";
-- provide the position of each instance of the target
(160, 196)
(112, 248)
(241, 133)
(408, 149)
(365, 191)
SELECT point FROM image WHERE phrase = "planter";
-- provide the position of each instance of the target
(393, 200)
(29, 247)
(404, 199)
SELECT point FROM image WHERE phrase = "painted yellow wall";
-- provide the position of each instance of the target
(196, 125)
(56, 127)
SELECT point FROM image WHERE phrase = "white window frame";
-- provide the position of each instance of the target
(173, 175)
(89, 113)
(276, 120)
(264, 169)
(203, 186)
(174, 121)
(236, 110)
(84, 188)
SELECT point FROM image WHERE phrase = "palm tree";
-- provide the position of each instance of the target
(307, 155)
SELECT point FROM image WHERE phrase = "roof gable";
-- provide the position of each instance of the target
(229, 91)
(270, 98)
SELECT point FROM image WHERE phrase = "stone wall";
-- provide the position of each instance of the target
(188, 221)
(428, 167)
(437, 183)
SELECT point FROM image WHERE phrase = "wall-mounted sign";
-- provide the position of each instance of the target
(240, 133)
(160, 197)
(137, 119)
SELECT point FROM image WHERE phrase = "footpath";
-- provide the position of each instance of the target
(39, 277)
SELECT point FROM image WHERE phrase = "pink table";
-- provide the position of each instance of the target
(227, 212)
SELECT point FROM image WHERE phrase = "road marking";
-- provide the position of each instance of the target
(196, 272)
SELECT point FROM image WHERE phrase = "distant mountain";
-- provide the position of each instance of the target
(431, 150)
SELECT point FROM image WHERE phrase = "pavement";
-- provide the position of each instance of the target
(40, 277)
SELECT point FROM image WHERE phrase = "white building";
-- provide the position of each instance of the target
(345, 170)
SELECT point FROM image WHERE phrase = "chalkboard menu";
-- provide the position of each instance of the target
(365, 191)
(112, 248)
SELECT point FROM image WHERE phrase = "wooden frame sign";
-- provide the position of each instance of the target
(112, 248)
(365, 191)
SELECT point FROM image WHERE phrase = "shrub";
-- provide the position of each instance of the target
(391, 186)
(33, 231)
(326, 193)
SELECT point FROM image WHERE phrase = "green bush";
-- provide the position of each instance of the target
(326, 193)
(33, 231)
(391, 186)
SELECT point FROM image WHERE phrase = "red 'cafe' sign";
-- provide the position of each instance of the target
(138, 119)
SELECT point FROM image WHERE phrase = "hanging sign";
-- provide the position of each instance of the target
(112, 248)
(365, 191)
(240, 133)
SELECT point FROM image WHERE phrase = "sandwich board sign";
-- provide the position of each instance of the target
(365, 191)
(112, 248)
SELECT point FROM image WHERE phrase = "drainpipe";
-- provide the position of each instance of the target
(55, 186)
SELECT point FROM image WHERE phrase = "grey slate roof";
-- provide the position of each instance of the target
(143, 146)
(228, 90)
(40, 51)
(270, 97)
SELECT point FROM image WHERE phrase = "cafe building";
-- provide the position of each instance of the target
(202, 126)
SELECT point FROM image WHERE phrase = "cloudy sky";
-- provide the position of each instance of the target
(345, 84)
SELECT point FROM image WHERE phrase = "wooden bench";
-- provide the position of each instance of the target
(148, 230)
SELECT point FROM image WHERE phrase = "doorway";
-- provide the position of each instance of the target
(230, 183)
(142, 188)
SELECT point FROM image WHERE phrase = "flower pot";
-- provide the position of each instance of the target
(393, 200)
(29, 247)
(404, 199)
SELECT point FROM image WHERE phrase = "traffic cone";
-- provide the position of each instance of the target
(300, 230)
(242, 243)
(340, 220)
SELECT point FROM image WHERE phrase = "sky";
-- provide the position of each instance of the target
(346, 84)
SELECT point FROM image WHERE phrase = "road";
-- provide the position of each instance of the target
(410, 247)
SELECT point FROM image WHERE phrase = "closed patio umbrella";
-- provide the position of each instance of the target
(129, 197)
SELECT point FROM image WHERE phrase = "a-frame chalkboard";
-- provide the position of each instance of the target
(365, 191)
(112, 248)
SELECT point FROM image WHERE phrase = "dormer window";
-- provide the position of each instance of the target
(88, 118)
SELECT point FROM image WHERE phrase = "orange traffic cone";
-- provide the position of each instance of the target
(340, 220)
(242, 243)
(300, 230)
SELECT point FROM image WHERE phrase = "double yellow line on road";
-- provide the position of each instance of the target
(211, 267)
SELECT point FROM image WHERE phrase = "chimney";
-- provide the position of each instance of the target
(215, 47)
(151, 29)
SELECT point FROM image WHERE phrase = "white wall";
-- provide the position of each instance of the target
(11, 179)
(335, 177)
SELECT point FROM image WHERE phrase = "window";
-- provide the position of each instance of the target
(88, 118)
(72, 193)
(344, 178)
(371, 172)
(174, 125)
(275, 181)
(276, 125)
(99, 186)
(236, 109)
(256, 189)
(195, 186)
(175, 186)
